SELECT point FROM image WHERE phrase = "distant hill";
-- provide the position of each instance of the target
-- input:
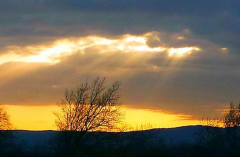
(184, 141)
(172, 136)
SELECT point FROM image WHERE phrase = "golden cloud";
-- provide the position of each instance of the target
(64, 47)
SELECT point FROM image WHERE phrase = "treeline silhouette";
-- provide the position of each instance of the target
(89, 124)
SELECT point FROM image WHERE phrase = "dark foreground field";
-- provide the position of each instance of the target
(186, 141)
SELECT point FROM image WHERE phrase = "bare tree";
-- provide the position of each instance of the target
(89, 107)
(5, 135)
(5, 123)
(232, 117)
(223, 140)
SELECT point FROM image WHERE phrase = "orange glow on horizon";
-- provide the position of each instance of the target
(32, 117)
(157, 119)
(42, 118)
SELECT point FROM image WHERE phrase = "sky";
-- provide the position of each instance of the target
(176, 58)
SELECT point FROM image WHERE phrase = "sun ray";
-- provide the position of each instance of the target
(64, 47)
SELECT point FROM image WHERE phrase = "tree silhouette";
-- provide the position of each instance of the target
(5, 135)
(232, 117)
(224, 141)
(5, 123)
(89, 107)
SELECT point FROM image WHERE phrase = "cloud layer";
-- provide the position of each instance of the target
(24, 22)
(49, 45)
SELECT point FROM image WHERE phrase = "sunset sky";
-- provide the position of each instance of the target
(178, 61)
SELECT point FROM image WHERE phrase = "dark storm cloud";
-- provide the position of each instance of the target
(216, 20)
(197, 84)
